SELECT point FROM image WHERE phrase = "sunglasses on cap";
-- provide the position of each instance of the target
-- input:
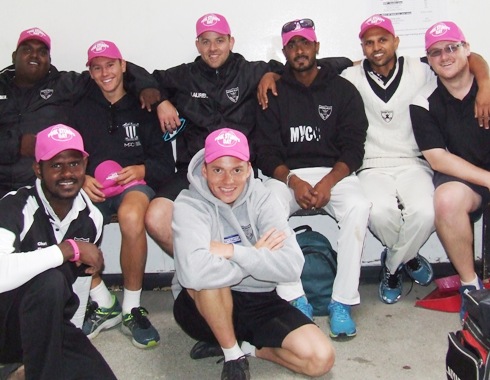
(304, 23)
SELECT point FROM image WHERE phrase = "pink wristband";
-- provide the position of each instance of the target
(76, 250)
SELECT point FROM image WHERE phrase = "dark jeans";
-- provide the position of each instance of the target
(35, 329)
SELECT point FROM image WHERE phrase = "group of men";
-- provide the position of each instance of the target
(356, 145)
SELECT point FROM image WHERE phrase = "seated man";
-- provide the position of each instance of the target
(49, 235)
(457, 148)
(233, 245)
(310, 140)
(128, 160)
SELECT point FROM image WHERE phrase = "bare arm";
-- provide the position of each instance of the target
(479, 68)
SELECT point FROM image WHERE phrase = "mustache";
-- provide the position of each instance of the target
(300, 57)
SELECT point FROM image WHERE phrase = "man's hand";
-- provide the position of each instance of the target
(93, 189)
(148, 97)
(221, 249)
(304, 193)
(27, 144)
(168, 116)
(482, 104)
(268, 82)
(131, 173)
(272, 239)
(90, 255)
(324, 192)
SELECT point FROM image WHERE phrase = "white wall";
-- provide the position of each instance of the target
(158, 34)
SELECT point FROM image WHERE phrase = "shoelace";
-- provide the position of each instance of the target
(139, 315)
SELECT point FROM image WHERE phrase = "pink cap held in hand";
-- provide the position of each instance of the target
(107, 173)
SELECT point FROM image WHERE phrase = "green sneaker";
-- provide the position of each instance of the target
(137, 325)
(101, 318)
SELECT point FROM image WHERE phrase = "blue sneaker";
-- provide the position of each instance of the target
(419, 270)
(341, 322)
(301, 303)
(463, 289)
(101, 318)
(391, 285)
(140, 328)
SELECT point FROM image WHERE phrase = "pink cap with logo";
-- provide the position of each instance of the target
(107, 174)
(377, 21)
(443, 31)
(212, 22)
(35, 34)
(106, 49)
(55, 139)
(226, 142)
(308, 33)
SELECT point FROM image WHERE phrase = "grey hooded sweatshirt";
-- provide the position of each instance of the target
(199, 218)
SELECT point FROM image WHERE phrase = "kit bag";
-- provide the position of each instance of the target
(477, 304)
(319, 270)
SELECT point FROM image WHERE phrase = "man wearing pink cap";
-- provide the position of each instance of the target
(34, 95)
(50, 233)
(233, 245)
(310, 140)
(457, 148)
(217, 89)
(128, 161)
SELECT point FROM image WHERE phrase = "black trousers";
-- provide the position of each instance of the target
(35, 329)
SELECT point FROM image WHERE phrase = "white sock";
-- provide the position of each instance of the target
(232, 353)
(474, 283)
(131, 299)
(248, 349)
(101, 295)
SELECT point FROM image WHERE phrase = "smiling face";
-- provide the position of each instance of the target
(379, 47)
(227, 177)
(214, 48)
(63, 176)
(108, 74)
(452, 60)
(32, 62)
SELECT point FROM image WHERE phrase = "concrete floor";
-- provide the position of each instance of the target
(398, 341)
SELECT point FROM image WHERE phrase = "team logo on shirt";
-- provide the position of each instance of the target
(233, 239)
(305, 133)
(46, 93)
(324, 111)
(248, 230)
(387, 116)
(233, 94)
(132, 139)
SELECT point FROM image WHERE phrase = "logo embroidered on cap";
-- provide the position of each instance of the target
(99, 47)
(227, 139)
(439, 30)
(61, 134)
(375, 20)
(36, 32)
(210, 20)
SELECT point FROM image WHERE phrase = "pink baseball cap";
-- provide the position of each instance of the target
(106, 49)
(55, 139)
(226, 142)
(304, 28)
(107, 173)
(35, 34)
(443, 31)
(212, 22)
(377, 21)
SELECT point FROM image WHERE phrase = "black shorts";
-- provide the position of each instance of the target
(262, 319)
(173, 185)
(483, 192)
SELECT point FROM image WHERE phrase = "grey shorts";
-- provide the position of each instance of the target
(262, 319)
(110, 206)
(440, 178)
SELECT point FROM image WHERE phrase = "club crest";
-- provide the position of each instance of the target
(324, 111)
(46, 93)
(387, 116)
(233, 94)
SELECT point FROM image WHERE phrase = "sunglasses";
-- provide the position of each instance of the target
(304, 23)
(449, 49)
(169, 136)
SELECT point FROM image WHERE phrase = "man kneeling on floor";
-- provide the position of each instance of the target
(232, 245)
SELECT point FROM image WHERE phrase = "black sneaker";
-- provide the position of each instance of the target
(236, 369)
(203, 350)
(137, 325)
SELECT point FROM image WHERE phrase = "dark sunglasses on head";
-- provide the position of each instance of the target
(304, 23)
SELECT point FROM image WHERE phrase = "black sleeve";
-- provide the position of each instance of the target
(136, 79)
(10, 146)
